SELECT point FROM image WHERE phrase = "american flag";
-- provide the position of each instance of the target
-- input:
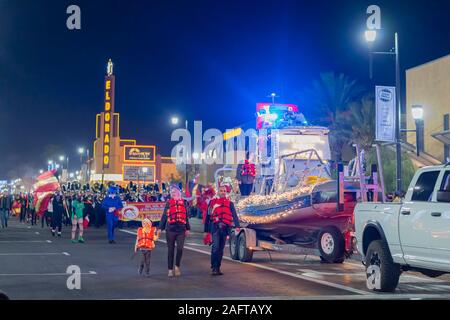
(44, 189)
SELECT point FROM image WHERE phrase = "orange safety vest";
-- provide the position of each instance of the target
(221, 211)
(146, 240)
(177, 211)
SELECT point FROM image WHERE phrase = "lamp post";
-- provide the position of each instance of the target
(144, 170)
(175, 120)
(370, 36)
(417, 113)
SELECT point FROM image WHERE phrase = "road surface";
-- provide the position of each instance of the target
(33, 265)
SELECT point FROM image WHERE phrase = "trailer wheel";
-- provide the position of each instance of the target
(234, 246)
(331, 245)
(381, 271)
(245, 254)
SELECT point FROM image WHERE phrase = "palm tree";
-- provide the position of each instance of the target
(362, 119)
(329, 99)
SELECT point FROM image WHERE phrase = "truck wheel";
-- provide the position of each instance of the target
(381, 271)
(234, 249)
(245, 254)
(331, 246)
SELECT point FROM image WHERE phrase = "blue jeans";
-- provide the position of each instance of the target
(219, 238)
(4, 216)
(111, 221)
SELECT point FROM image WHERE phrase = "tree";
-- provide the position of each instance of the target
(362, 121)
(329, 99)
(389, 168)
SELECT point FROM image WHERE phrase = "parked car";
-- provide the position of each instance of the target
(413, 234)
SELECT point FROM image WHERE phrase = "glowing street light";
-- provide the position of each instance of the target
(41, 171)
(61, 158)
(175, 120)
(417, 112)
(370, 35)
(80, 150)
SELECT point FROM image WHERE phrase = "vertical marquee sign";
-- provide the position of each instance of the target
(108, 115)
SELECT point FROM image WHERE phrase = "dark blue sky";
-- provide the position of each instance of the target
(203, 60)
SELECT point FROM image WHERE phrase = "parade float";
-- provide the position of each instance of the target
(296, 204)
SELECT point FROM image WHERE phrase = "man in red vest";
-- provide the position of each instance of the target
(220, 219)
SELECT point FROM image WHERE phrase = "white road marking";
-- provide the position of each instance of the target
(36, 254)
(24, 241)
(294, 275)
(37, 232)
(43, 274)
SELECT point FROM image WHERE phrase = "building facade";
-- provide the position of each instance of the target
(428, 85)
(123, 160)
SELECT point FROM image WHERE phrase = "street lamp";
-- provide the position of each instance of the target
(41, 171)
(370, 36)
(145, 170)
(175, 121)
(417, 114)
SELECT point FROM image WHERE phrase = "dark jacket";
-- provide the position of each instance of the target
(245, 179)
(176, 227)
(210, 226)
(6, 203)
(58, 207)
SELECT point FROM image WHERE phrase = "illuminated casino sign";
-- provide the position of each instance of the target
(108, 115)
(139, 153)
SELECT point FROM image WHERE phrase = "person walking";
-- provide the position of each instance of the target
(58, 213)
(99, 212)
(145, 243)
(77, 219)
(23, 208)
(111, 204)
(220, 218)
(175, 222)
(32, 209)
(245, 174)
(5, 209)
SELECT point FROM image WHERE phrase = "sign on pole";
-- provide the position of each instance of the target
(385, 113)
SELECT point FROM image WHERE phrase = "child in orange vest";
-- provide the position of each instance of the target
(145, 243)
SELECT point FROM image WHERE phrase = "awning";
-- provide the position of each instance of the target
(443, 136)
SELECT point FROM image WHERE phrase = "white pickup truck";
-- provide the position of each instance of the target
(411, 235)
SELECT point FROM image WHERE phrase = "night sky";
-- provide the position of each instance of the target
(202, 60)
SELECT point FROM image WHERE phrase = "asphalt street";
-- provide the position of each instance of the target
(33, 265)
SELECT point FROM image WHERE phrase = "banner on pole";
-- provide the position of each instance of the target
(385, 113)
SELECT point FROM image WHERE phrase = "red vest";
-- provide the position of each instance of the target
(221, 211)
(177, 211)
